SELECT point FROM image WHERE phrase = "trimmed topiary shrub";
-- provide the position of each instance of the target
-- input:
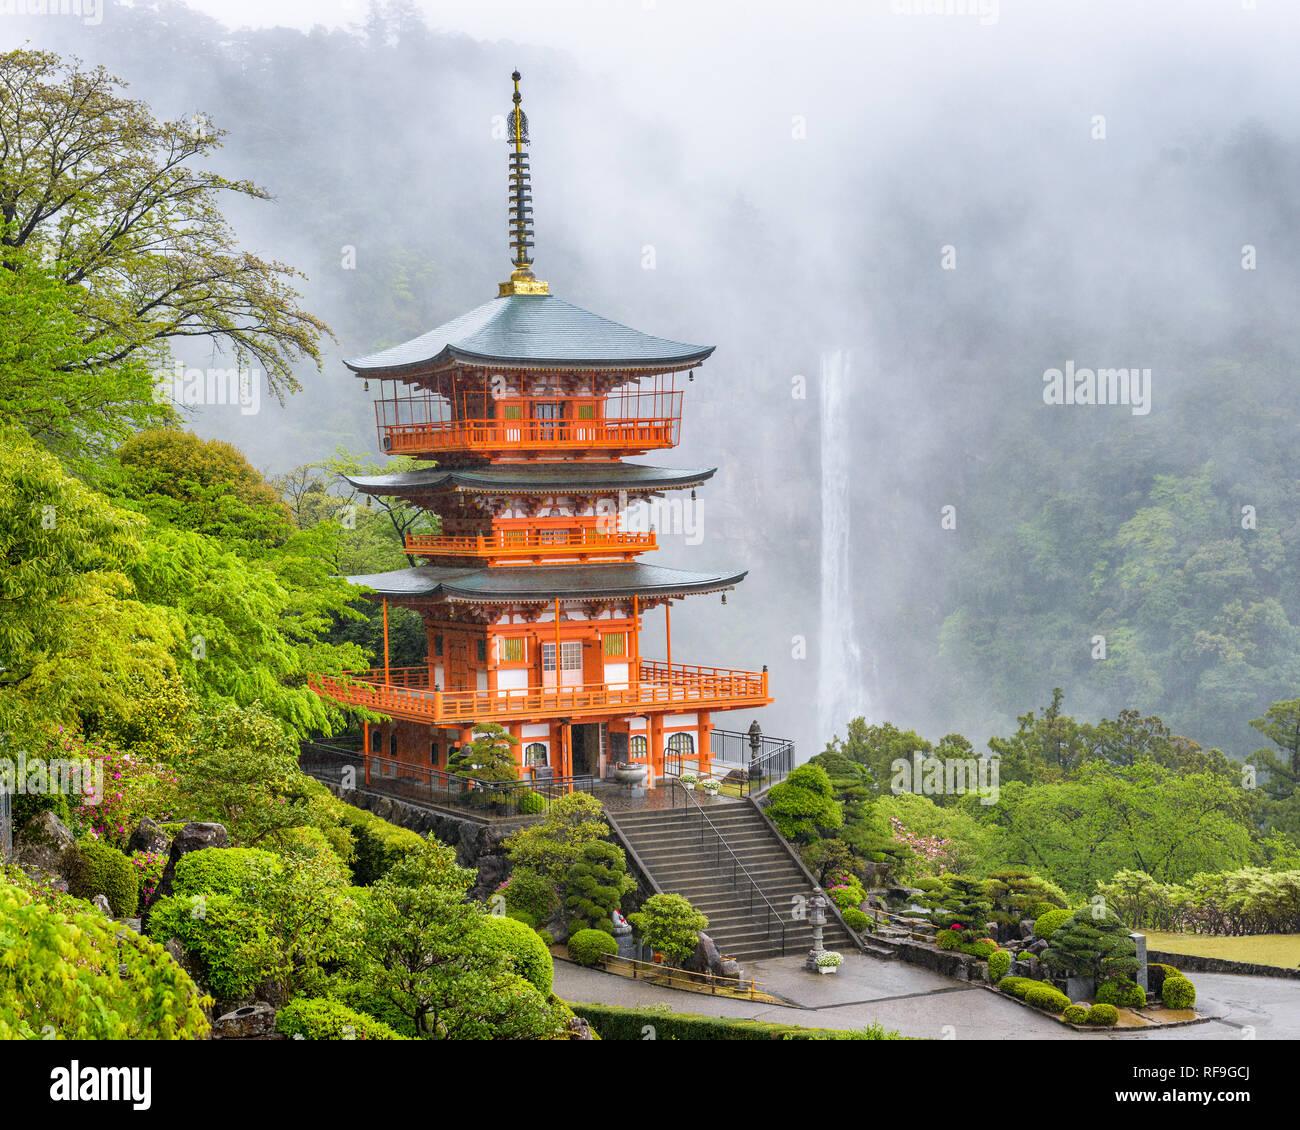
(223, 871)
(1156, 974)
(587, 946)
(545, 935)
(596, 883)
(1045, 925)
(1048, 998)
(531, 803)
(1121, 992)
(960, 903)
(1178, 992)
(1092, 943)
(856, 920)
(1017, 894)
(948, 939)
(379, 844)
(1017, 986)
(1103, 1014)
(527, 954)
(614, 1023)
(96, 868)
(981, 949)
(999, 964)
(670, 924)
(321, 1019)
(531, 892)
(232, 941)
(1077, 1014)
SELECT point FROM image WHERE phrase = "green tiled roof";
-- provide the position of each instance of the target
(533, 330)
(543, 582)
(534, 478)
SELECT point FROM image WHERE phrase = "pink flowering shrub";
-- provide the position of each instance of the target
(132, 787)
(150, 866)
(931, 855)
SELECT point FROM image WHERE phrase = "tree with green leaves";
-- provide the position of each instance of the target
(670, 924)
(489, 757)
(552, 845)
(803, 806)
(596, 884)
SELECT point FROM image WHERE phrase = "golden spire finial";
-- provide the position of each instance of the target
(522, 280)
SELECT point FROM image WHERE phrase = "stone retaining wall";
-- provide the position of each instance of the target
(1187, 962)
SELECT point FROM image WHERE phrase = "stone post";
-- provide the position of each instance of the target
(817, 918)
(1140, 940)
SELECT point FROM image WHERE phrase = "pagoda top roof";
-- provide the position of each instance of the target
(509, 585)
(533, 331)
(534, 478)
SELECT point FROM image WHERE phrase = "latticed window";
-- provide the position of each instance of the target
(638, 747)
(586, 411)
(535, 754)
(512, 411)
(570, 655)
(482, 650)
(437, 645)
(683, 745)
(615, 643)
(512, 650)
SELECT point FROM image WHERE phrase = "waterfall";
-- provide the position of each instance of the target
(841, 682)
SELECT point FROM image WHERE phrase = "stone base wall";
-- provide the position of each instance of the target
(1186, 962)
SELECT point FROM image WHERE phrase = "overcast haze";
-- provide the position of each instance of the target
(798, 171)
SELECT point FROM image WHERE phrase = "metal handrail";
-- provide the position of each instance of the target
(735, 862)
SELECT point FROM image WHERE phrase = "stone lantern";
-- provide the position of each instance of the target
(755, 733)
(816, 908)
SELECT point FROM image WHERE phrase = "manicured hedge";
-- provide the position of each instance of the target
(999, 964)
(223, 871)
(98, 868)
(856, 920)
(1047, 924)
(981, 949)
(614, 1023)
(1178, 992)
(320, 1019)
(1048, 998)
(379, 844)
(1121, 992)
(1077, 1014)
(1017, 986)
(1104, 1014)
(526, 952)
(586, 946)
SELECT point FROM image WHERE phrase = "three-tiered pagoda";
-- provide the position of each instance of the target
(533, 594)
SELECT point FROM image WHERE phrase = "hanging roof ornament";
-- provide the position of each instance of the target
(522, 280)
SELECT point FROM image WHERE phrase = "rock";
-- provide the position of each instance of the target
(148, 836)
(706, 958)
(579, 1029)
(193, 837)
(1037, 946)
(44, 844)
(729, 967)
(132, 924)
(1026, 928)
(1034, 968)
(991, 930)
(242, 1024)
(101, 902)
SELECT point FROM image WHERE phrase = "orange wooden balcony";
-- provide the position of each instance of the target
(518, 547)
(610, 436)
(406, 693)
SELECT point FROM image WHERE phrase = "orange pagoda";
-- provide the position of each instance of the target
(533, 594)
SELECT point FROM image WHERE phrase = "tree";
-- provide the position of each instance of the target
(596, 884)
(1093, 942)
(489, 757)
(669, 923)
(92, 184)
(428, 959)
(803, 806)
(552, 846)
(1281, 725)
(70, 973)
(876, 748)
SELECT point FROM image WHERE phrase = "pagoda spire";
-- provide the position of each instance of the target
(522, 280)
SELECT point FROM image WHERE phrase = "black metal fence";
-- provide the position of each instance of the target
(6, 825)
(480, 800)
(763, 761)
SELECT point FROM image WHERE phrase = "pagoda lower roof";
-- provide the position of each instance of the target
(532, 331)
(536, 583)
(534, 478)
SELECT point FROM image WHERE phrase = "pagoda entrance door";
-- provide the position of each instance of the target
(547, 415)
(587, 749)
(457, 665)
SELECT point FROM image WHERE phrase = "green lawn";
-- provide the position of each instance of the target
(1263, 949)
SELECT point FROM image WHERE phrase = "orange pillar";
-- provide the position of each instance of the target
(668, 635)
(704, 747)
(558, 679)
(656, 746)
(387, 679)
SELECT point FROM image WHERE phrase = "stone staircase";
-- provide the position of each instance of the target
(671, 849)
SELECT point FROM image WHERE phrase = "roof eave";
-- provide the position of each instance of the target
(450, 355)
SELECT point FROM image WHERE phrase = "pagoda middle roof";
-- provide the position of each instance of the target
(511, 584)
(534, 478)
(533, 331)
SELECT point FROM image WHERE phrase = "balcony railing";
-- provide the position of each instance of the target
(582, 544)
(512, 435)
(405, 692)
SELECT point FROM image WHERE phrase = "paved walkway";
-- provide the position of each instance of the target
(918, 1002)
